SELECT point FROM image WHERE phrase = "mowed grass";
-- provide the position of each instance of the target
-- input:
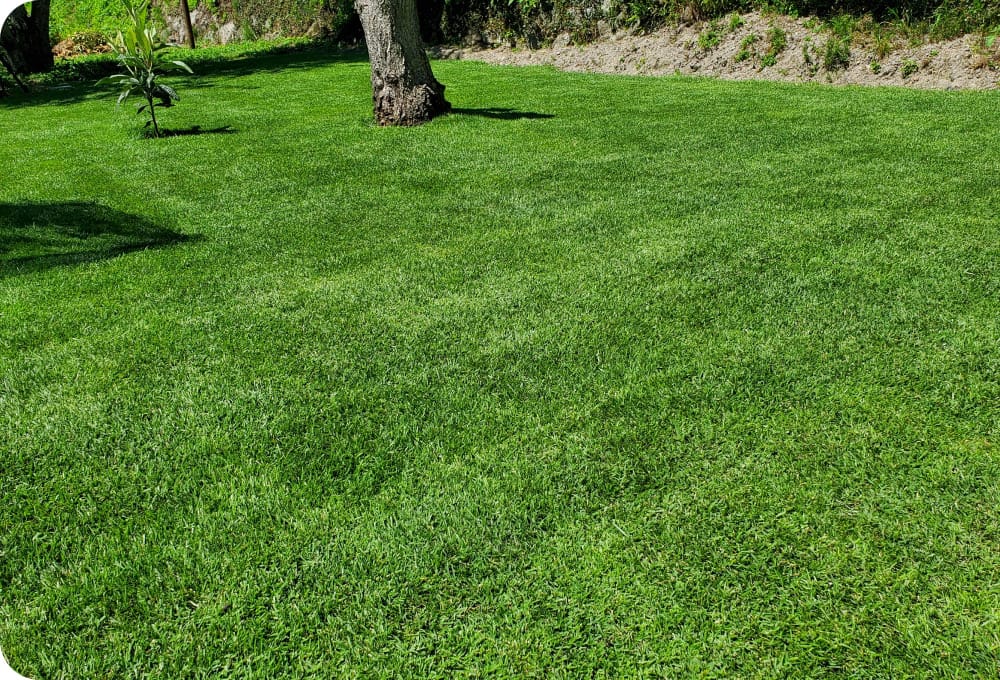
(597, 377)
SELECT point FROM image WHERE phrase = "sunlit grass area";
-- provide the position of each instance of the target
(595, 375)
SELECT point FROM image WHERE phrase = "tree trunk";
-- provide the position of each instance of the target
(26, 38)
(186, 16)
(404, 90)
(13, 73)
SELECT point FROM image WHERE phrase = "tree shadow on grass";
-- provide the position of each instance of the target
(278, 59)
(196, 130)
(502, 113)
(39, 236)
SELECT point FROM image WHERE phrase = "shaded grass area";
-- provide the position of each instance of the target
(35, 236)
(598, 375)
(217, 60)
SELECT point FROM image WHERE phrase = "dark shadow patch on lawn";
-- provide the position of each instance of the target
(39, 236)
(62, 94)
(498, 113)
(196, 130)
(276, 59)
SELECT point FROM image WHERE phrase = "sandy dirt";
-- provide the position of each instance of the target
(961, 63)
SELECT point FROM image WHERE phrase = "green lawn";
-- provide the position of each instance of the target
(599, 376)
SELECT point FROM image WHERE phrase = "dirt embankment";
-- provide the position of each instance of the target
(754, 46)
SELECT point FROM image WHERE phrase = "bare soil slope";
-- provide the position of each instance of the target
(741, 53)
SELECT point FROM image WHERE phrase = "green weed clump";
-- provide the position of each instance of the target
(836, 54)
(710, 37)
(746, 47)
(777, 41)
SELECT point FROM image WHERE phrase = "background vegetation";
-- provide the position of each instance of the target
(255, 18)
(537, 21)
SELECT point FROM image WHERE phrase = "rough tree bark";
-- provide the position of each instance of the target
(404, 90)
(26, 38)
(188, 28)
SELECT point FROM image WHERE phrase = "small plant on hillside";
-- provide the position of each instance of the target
(843, 26)
(878, 37)
(777, 41)
(836, 54)
(735, 22)
(909, 68)
(746, 48)
(139, 51)
(639, 14)
(710, 37)
(882, 44)
(807, 55)
(986, 51)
